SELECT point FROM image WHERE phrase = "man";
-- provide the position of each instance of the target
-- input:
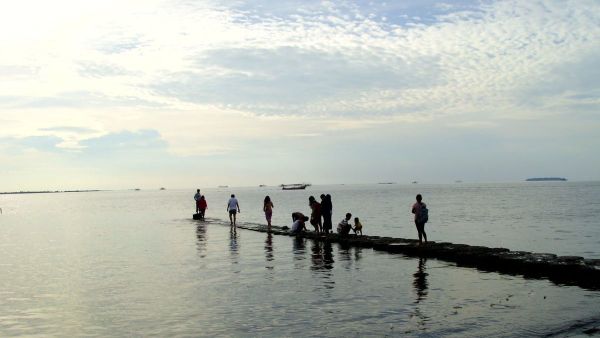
(197, 199)
(233, 207)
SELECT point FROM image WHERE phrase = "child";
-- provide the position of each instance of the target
(357, 226)
(344, 227)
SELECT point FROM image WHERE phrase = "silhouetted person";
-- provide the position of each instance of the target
(326, 209)
(421, 217)
(315, 215)
(268, 209)
(344, 226)
(203, 206)
(299, 224)
(357, 226)
(197, 199)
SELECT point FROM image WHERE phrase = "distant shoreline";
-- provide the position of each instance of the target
(44, 192)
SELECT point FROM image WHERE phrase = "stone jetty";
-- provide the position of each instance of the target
(562, 270)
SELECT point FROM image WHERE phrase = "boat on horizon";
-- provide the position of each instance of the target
(294, 186)
(541, 179)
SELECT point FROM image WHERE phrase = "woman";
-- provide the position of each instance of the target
(421, 216)
(268, 209)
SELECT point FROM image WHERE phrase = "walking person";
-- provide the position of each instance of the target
(421, 217)
(197, 199)
(268, 209)
(233, 207)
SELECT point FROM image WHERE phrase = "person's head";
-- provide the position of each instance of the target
(304, 219)
(197, 190)
(311, 199)
(322, 197)
(348, 216)
(232, 195)
(267, 199)
(202, 197)
(419, 198)
(328, 197)
(356, 220)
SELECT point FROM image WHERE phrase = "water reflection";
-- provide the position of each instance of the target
(233, 244)
(420, 287)
(269, 250)
(299, 248)
(420, 281)
(201, 242)
(322, 262)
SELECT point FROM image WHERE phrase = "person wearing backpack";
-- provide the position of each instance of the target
(421, 217)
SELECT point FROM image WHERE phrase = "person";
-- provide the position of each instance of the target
(203, 206)
(268, 209)
(233, 207)
(420, 211)
(197, 199)
(357, 226)
(299, 224)
(315, 215)
(326, 212)
(344, 227)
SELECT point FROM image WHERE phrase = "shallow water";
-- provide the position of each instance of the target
(134, 264)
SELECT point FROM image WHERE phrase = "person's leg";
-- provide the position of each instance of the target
(234, 217)
(230, 218)
(423, 231)
(419, 231)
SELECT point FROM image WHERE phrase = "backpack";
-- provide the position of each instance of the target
(423, 215)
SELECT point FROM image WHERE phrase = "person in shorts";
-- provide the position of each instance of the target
(233, 207)
(416, 209)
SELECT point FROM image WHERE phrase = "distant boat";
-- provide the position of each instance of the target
(295, 186)
(414, 182)
(386, 183)
(262, 185)
(539, 179)
(223, 186)
(162, 188)
(458, 181)
(137, 189)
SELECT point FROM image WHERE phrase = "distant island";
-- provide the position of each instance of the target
(44, 192)
(537, 179)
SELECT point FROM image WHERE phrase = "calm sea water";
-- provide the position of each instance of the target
(129, 263)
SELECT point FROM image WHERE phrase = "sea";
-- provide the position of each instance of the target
(135, 264)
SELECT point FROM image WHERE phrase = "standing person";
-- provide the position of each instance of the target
(233, 207)
(315, 215)
(421, 217)
(268, 209)
(197, 199)
(203, 206)
(326, 212)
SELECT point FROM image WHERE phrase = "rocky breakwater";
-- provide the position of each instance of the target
(562, 270)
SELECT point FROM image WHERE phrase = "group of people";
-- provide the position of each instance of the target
(320, 215)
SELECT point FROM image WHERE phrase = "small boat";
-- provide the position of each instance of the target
(295, 186)
(162, 188)
(223, 186)
(262, 185)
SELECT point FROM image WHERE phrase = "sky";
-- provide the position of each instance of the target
(183, 93)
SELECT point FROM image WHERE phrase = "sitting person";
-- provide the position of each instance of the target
(357, 226)
(344, 227)
(299, 223)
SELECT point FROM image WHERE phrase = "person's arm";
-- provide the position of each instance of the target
(238, 206)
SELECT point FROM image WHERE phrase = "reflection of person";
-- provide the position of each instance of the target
(344, 227)
(197, 199)
(416, 209)
(268, 209)
(299, 224)
(233, 207)
(420, 282)
(203, 206)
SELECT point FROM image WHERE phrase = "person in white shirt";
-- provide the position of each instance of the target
(233, 207)
(299, 224)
